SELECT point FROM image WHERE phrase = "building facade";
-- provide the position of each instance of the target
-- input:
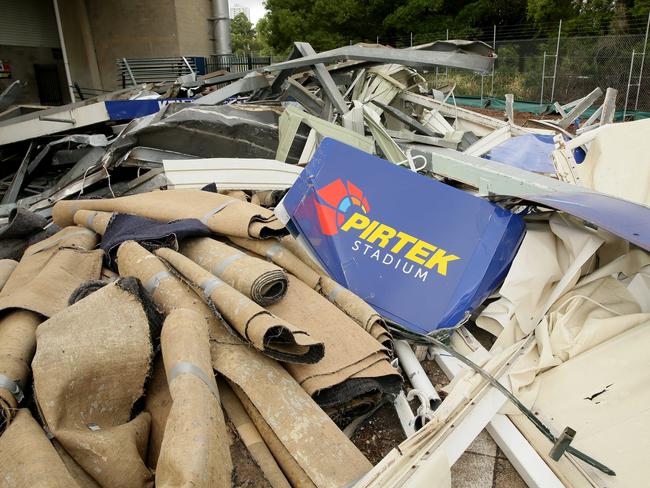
(54, 44)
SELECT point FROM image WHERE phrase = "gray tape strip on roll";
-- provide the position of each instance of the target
(90, 218)
(9, 384)
(210, 285)
(221, 267)
(216, 210)
(185, 367)
(155, 280)
(273, 250)
(332, 295)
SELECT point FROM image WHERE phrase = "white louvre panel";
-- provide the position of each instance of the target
(28, 23)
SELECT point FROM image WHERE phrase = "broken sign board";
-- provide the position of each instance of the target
(423, 253)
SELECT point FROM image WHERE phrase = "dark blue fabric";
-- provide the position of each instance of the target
(150, 233)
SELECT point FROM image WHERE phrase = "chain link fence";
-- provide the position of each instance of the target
(527, 68)
(530, 69)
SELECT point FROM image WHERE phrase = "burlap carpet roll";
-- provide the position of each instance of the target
(196, 430)
(356, 308)
(94, 220)
(221, 213)
(17, 346)
(321, 451)
(262, 282)
(344, 299)
(28, 459)
(51, 270)
(7, 267)
(90, 367)
(251, 437)
(158, 402)
(294, 246)
(290, 466)
(273, 250)
(273, 336)
(343, 374)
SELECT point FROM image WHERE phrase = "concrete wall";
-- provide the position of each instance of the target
(131, 29)
(22, 60)
(193, 27)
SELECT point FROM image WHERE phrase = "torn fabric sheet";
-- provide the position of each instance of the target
(151, 234)
(617, 162)
(576, 307)
(421, 253)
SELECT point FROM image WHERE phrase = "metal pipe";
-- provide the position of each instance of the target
(557, 56)
(63, 50)
(645, 47)
(419, 380)
(221, 27)
(541, 94)
(404, 413)
(494, 48)
(629, 80)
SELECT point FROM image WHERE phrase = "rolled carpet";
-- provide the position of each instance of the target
(7, 267)
(355, 370)
(320, 452)
(273, 336)
(362, 313)
(51, 270)
(195, 428)
(221, 213)
(28, 459)
(251, 437)
(261, 281)
(17, 346)
(86, 384)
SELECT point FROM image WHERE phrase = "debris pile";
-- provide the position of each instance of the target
(262, 260)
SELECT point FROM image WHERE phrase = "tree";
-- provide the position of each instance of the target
(242, 35)
(327, 24)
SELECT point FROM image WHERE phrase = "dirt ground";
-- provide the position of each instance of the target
(522, 119)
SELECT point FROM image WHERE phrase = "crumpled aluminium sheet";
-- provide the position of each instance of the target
(218, 131)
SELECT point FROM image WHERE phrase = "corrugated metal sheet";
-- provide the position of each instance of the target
(28, 23)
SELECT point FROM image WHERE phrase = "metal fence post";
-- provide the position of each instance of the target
(494, 48)
(629, 80)
(411, 39)
(557, 56)
(645, 46)
(541, 92)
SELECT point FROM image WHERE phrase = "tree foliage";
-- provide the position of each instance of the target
(327, 24)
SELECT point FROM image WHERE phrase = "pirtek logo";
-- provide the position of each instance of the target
(335, 200)
(338, 198)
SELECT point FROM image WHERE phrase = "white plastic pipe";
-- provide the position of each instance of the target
(418, 378)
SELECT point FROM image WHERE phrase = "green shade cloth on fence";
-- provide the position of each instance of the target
(535, 108)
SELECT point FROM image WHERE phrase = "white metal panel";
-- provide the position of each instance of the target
(59, 120)
(231, 173)
(28, 23)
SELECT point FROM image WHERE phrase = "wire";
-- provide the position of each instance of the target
(420, 338)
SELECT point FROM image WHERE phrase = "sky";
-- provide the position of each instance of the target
(256, 6)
